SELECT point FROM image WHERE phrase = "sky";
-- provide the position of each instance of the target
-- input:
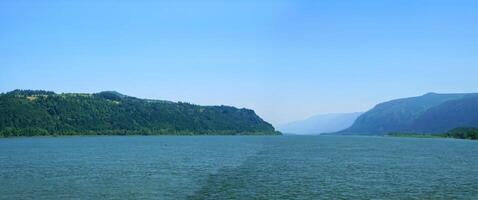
(287, 60)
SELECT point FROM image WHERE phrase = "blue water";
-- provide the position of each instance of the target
(237, 167)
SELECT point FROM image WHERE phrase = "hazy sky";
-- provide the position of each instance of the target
(285, 59)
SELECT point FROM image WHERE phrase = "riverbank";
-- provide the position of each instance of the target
(457, 133)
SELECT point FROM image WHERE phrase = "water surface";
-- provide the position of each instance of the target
(237, 167)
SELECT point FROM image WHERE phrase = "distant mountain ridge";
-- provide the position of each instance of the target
(318, 124)
(35, 112)
(429, 113)
(461, 112)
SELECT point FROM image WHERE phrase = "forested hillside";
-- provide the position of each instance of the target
(32, 112)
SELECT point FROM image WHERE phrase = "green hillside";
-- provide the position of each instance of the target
(31, 113)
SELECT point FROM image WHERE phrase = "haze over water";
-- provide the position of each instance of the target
(262, 167)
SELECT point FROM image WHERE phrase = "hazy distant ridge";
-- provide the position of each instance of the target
(430, 113)
(318, 124)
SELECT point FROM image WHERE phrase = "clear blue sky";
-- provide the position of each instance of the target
(285, 59)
